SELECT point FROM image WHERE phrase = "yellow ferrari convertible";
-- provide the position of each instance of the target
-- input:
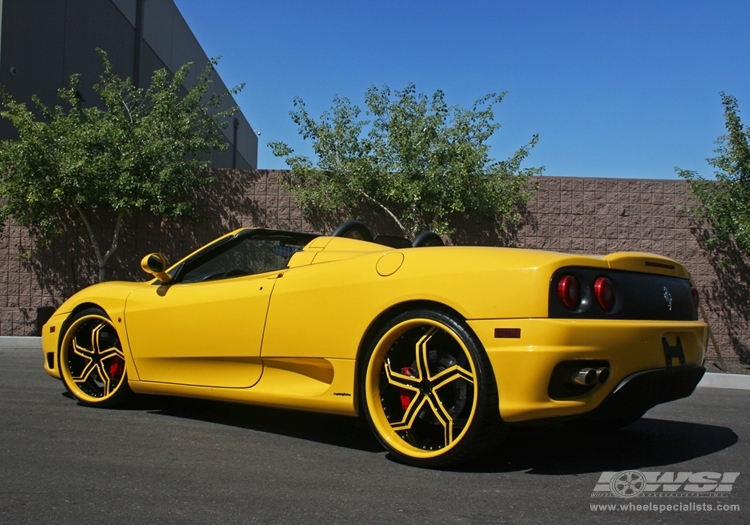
(440, 348)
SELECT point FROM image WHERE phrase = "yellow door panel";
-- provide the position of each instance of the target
(323, 310)
(200, 333)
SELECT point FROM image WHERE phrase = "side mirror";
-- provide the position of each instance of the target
(156, 265)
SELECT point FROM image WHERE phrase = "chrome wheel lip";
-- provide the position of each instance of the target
(379, 361)
(92, 381)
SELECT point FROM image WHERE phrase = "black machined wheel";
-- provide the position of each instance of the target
(428, 390)
(92, 362)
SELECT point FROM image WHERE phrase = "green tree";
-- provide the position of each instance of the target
(726, 201)
(139, 151)
(419, 160)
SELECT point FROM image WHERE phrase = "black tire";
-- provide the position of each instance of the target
(92, 362)
(428, 391)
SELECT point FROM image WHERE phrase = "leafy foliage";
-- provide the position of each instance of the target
(726, 201)
(136, 152)
(421, 161)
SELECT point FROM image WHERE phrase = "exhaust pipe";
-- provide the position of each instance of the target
(585, 377)
(591, 376)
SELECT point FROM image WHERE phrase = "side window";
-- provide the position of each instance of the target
(243, 256)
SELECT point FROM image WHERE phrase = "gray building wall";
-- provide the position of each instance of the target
(46, 41)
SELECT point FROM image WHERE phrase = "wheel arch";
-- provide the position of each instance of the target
(85, 306)
(78, 308)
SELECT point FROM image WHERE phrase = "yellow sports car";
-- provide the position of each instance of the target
(440, 348)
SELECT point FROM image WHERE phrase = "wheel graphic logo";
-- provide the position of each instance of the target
(628, 484)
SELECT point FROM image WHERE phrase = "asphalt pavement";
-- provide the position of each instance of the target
(168, 460)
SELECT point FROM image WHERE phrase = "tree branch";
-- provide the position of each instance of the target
(101, 260)
(113, 247)
(92, 236)
(389, 212)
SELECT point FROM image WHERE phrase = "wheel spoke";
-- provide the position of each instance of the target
(450, 420)
(422, 356)
(105, 378)
(400, 380)
(95, 337)
(82, 351)
(96, 343)
(111, 352)
(86, 354)
(445, 419)
(411, 413)
(451, 374)
(111, 372)
(86, 372)
(415, 408)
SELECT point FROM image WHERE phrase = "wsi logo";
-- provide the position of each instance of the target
(634, 483)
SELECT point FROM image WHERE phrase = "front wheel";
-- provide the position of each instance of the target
(428, 390)
(92, 363)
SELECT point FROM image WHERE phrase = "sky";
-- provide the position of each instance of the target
(624, 89)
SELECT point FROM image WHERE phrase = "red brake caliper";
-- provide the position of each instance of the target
(114, 369)
(406, 395)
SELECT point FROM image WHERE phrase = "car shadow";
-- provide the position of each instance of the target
(547, 450)
(556, 449)
(342, 431)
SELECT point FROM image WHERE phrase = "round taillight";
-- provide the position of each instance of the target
(696, 297)
(604, 293)
(569, 292)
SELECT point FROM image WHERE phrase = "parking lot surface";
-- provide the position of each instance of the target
(168, 460)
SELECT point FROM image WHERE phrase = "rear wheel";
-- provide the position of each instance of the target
(92, 363)
(428, 390)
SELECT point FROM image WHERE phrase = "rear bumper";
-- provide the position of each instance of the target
(523, 366)
(642, 391)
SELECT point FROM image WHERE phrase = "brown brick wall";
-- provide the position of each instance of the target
(600, 216)
(578, 215)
